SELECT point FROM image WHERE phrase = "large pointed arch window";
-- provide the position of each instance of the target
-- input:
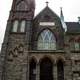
(46, 41)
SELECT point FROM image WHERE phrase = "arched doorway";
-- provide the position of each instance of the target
(60, 70)
(32, 69)
(46, 69)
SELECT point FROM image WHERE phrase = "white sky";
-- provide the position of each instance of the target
(71, 10)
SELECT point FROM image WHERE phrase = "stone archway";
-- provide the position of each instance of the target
(32, 69)
(46, 69)
(60, 70)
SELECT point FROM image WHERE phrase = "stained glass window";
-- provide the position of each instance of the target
(15, 26)
(46, 41)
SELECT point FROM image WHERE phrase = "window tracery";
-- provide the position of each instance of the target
(46, 41)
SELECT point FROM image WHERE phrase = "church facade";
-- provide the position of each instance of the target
(44, 47)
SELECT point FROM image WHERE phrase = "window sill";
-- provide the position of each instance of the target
(47, 51)
(17, 32)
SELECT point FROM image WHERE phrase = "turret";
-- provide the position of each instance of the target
(61, 15)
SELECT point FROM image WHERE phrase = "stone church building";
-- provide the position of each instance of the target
(44, 47)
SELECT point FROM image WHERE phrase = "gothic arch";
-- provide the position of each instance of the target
(46, 40)
(61, 58)
(60, 70)
(32, 69)
(48, 57)
(46, 29)
(46, 69)
(33, 58)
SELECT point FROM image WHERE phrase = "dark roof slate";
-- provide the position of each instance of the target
(73, 27)
(48, 11)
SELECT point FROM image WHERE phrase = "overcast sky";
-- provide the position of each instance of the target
(71, 10)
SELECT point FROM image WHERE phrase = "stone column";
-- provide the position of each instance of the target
(28, 34)
(38, 72)
(55, 71)
(25, 72)
(25, 65)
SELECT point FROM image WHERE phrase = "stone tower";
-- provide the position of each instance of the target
(38, 48)
(17, 41)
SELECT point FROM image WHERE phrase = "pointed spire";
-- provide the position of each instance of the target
(62, 20)
(61, 14)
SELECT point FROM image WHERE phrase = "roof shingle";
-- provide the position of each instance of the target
(73, 27)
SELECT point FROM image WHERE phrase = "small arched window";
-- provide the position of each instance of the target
(15, 26)
(23, 24)
(46, 41)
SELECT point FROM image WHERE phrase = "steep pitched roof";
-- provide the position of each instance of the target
(47, 10)
(73, 27)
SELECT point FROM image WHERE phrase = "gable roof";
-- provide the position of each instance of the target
(48, 11)
(73, 27)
